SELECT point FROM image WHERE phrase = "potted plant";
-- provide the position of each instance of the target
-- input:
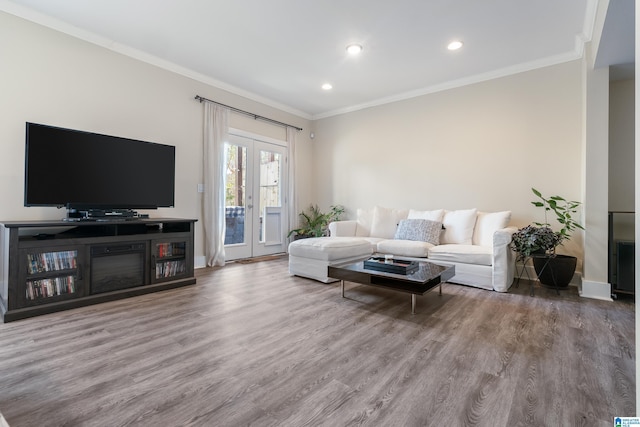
(539, 241)
(314, 223)
(533, 240)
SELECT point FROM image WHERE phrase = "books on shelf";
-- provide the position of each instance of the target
(45, 288)
(51, 261)
(171, 249)
(170, 268)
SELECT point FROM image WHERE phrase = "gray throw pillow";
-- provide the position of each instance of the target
(422, 230)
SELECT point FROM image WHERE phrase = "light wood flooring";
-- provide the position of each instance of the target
(250, 345)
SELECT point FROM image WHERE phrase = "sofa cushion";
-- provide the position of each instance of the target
(364, 217)
(385, 221)
(487, 224)
(422, 230)
(409, 248)
(435, 215)
(468, 254)
(330, 248)
(373, 241)
(458, 226)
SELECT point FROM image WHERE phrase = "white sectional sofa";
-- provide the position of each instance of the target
(311, 257)
(477, 243)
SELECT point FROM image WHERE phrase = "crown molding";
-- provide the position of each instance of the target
(71, 30)
(477, 78)
(58, 25)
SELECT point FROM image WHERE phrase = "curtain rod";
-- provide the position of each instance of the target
(246, 113)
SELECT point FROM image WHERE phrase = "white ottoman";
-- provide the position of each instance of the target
(312, 257)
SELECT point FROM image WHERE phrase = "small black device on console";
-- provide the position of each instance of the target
(100, 214)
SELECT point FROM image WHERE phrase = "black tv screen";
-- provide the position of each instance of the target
(84, 170)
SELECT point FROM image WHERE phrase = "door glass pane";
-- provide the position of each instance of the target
(270, 193)
(235, 193)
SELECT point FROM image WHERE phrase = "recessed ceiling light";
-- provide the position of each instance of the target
(327, 86)
(455, 45)
(354, 49)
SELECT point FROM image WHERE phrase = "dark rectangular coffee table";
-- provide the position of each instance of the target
(427, 277)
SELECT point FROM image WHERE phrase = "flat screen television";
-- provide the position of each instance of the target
(86, 171)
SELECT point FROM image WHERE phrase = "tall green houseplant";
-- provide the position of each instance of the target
(564, 211)
(314, 223)
(540, 241)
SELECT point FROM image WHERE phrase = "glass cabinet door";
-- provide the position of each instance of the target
(169, 259)
(51, 274)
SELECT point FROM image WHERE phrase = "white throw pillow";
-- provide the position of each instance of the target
(488, 223)
(364, 217)
(435, 215)
(385, 221)
(458, 227)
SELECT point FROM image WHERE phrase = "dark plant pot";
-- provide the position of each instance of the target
(302, 236)
(558, 271)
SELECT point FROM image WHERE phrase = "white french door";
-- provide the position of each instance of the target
(255, 193)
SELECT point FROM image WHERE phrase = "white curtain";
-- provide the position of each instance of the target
(215, 136)
(292, 198)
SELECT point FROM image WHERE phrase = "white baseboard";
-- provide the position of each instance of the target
(595, 290)
(200, 262)
(586, 288)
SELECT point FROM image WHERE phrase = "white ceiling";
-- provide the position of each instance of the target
(617, 43)
(281, 51)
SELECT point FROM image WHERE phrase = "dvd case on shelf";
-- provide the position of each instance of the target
(51, 261)
(170, 268)
(46, 288)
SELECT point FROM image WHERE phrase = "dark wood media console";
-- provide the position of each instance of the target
(48, 266)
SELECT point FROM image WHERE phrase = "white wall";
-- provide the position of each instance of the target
(52, 78)
(595, 281)
(621, 145)
(483, 145)
(622, 156)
